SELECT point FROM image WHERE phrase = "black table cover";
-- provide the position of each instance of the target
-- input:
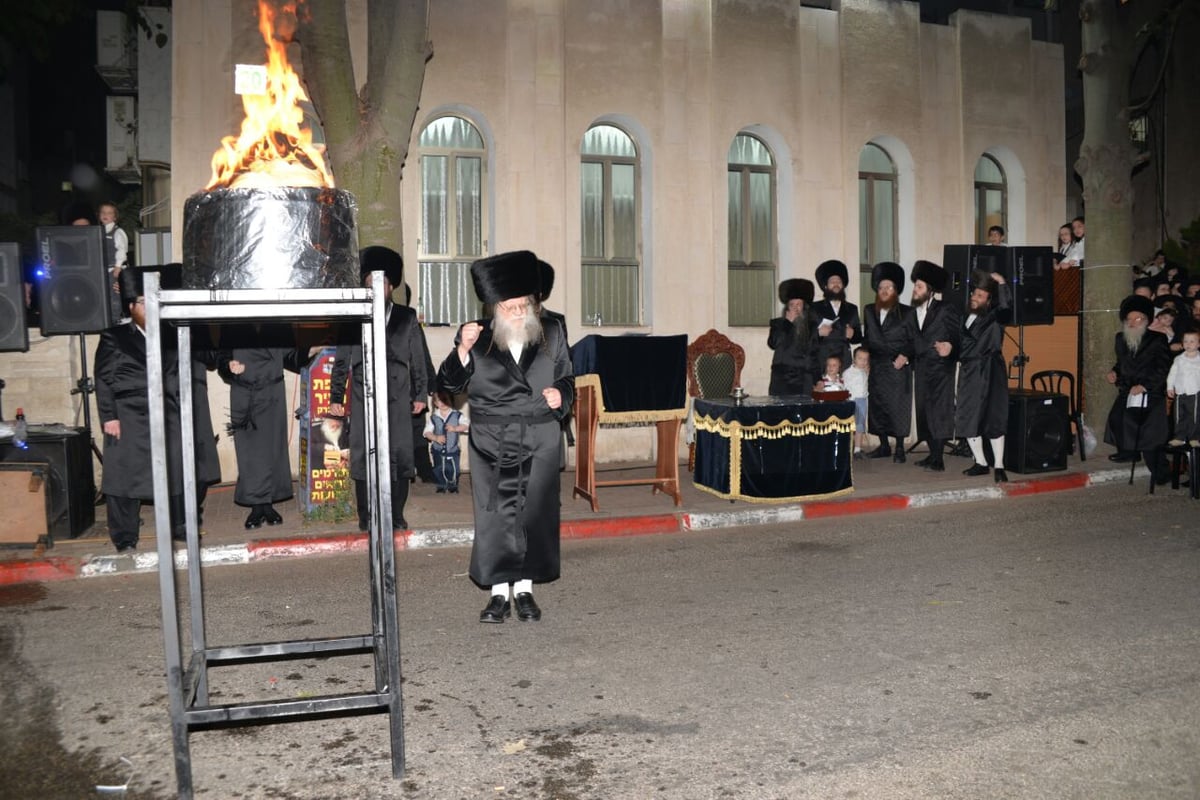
(637, 373)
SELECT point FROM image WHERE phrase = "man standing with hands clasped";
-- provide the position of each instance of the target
(936, 328)
(517, 374)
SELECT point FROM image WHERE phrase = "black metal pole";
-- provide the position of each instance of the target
(84, 387)
(1, 398)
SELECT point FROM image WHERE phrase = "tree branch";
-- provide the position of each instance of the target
(329, 71)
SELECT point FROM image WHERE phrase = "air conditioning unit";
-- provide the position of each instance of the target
(116, 51)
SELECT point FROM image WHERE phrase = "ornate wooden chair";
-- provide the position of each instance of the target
(714, 368)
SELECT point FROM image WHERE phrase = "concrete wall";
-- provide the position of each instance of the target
(684, 78)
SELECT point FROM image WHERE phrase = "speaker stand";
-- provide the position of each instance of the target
(85, 387)
(1, 398)
(1020, 359)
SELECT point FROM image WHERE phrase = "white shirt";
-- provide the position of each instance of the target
(856, 381)
(1184, 376)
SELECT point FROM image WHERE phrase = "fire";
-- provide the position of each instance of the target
(275, 148)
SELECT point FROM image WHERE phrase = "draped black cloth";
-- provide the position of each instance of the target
(889, 390)
(933, 375)
(982, 375)
(407, 380)
(514, 445)
(837, 343)
(637, 373)
(1140, 428)
(794, 369)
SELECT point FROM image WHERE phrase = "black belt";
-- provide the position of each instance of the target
(523, 420)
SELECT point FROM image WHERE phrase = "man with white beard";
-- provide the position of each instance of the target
(1138, 419)
(517, 374)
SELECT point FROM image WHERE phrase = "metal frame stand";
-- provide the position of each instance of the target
(187, 685)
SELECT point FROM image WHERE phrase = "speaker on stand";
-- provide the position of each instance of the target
(961, 261)
(1029, 271)
(1039, 431)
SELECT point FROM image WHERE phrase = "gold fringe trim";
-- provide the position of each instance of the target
(801, 499)
(760, 430)
(611, 417)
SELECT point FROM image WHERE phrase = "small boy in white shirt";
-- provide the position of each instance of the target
(831, 381)
(443, 428)
(1183, 384)
(855, 381)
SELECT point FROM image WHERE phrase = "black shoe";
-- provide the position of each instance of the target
(880, 452)
(126, 548)
(497, 609)
(924, 462)
(271, 516)
(975, 470)
(936, 466)
(453, 490)
(899, 457)
(441, 490)
(255, 519)
(1123, 458)
(1001, 476)
(527, 609)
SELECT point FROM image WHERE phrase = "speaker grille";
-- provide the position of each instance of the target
(13, 333)
(76, 291)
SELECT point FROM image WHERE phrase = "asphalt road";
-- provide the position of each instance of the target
(1047, 647)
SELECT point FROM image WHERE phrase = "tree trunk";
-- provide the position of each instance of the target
(1106, 160)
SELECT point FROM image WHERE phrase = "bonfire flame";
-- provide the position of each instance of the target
(275, 148)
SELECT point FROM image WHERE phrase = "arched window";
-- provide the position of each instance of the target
(877, 217)
(611, 275)
(752, 231)
(453, 212)
(991, 197)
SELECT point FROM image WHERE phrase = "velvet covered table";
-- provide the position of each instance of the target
(774, 449)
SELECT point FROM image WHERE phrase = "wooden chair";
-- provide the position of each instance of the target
(1058, 381)
(714, 368)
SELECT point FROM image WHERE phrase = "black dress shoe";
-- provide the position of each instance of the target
(975, 470)
(255, 519)
(924, 462)
(1123, 458)
(271, 516)
(899, 457)
(880, 452)
(497, 609)
(936, 466)
(527, 608)
(1001, 476)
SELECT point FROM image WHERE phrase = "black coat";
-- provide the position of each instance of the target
(889, 390)
(1135, 428)
(837, 343)
(258, 418)
(793, 364)
(933, 375)
(408, 381)
(982, 375)
(122, 394)
(515, 440)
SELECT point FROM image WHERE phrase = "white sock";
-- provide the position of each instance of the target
(976, 445)
(500, 589)
(998, 451)
(522, 586)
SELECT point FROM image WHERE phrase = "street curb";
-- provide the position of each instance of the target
(57, 568)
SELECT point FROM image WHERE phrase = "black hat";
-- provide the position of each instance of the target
(828, 269)
(546, 275)
(78, 211)
(930, 273)
(133, 279)
(382, 259)
(505, 276)
(796, 289)
(981, 279)
(887, 271)
(1135, 302)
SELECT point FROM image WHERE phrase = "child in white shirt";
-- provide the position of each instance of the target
(855, 381)
(1183, 384)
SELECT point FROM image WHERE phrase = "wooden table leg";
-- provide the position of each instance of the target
(587, 422)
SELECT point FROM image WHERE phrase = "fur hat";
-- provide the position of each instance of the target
(887, 271)
(796, 289)
(930, 273)
(546, 275)
(382, 259)
(981, 279)
(507, 275)
(828, 269)
(1135, 302)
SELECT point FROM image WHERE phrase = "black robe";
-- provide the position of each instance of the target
(408, 381)
(514, 453)
(793, 367)
(889, 390)
(258, 418)
(1135, 428)
(122, 394)
(933, 375)
(982, 375)
(837, 343)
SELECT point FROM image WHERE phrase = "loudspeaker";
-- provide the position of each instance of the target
(961, 260)
(71, 481)
(14, 335)
(1030, 273)
(1039, 431)
(76, 289)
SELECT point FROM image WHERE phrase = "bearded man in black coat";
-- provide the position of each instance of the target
(838, 324)
(982, 377)
(888, 337)
(793, 339)
(936, 328)
(1138, 419)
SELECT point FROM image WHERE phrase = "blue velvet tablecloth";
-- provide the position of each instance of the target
(637, 373)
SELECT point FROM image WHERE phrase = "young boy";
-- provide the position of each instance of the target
(831, 381)
(855, 381)
(1183, 384)
(445, 425)
(116, 255)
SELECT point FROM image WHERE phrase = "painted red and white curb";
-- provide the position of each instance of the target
(52, 569)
